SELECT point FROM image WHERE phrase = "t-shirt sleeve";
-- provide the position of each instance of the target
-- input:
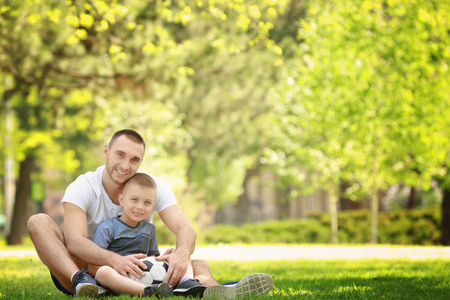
(78, 193)
(104, 235)
(164, 195)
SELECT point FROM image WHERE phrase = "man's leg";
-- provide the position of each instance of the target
(48, 240)
(203, 273)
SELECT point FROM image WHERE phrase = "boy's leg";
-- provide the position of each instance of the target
(124, 285)
(109, 278)
(48, 240)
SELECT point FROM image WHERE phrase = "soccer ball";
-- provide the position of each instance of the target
(155, 273)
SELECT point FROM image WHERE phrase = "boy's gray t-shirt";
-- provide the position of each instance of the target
(117, 236)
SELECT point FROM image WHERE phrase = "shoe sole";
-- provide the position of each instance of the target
(163, 291)
(257, 284)
(87, 290)
(103, 293)
(195, 291)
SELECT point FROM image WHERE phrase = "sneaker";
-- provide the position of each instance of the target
(84, 285)
(190, 288)
(162, 290)
(103, 293)
(256, 284)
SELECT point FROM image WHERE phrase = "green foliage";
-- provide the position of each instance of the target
(296, 279)
(363, 91)
(405, 227)
(52, 109)
(78, 71)
(289, 231)
(365, 95)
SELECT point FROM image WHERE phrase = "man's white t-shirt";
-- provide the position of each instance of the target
(87, 192)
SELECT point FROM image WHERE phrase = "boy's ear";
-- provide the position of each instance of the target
(121, 199)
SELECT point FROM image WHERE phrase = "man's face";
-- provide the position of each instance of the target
(123, 159)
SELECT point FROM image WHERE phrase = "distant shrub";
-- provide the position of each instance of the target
(405, 227)
(287, 232)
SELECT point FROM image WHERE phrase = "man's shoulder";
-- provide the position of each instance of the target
(88, 180)
(155, 178)
(91, 175)
(84, 190)
(161, 185)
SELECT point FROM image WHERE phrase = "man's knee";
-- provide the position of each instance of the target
(37, 221)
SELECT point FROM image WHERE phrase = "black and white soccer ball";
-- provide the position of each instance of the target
(155, 273)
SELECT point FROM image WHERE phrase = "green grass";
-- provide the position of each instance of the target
(27, 244)
(28, 278)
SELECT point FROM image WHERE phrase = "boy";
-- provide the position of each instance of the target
(129, 234)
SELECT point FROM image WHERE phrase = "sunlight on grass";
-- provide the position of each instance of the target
(352, 290)
(289, 292)
(28, 278)
(26, 245)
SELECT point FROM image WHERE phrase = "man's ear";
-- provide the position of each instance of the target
(105, 151)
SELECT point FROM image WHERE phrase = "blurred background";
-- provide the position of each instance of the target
(291, 121)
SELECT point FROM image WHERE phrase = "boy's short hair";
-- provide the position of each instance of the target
(143, 180)
(130, 133)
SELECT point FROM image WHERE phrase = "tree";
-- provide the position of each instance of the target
(213, 62)
(358, 101)
(45, 84)
(58, 55)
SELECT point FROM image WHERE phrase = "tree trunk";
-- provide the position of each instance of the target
(243, 211)
(9, 183)
(412, 200)
(333, 200)
(445, 225)
(18, 222)
(374, 220)
(374, 203)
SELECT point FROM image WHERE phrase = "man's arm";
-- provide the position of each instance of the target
(179, 259)
(77, 243)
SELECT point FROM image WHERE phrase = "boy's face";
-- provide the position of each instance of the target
(137, 202)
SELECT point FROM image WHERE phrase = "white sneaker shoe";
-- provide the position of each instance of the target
(256, 284)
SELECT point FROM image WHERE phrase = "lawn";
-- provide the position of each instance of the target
(27, 278)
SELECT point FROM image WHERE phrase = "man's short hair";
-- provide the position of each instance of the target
(130, 133)
(143, 180)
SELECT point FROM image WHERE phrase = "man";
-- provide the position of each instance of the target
(93, 198)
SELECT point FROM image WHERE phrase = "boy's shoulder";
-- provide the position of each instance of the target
(109, 223)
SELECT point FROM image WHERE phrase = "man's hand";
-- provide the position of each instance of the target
(178, 263)
(130, 264)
